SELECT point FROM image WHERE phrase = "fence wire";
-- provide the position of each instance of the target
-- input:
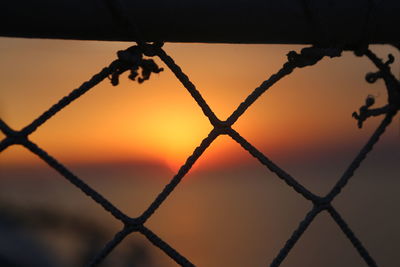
(138, 59)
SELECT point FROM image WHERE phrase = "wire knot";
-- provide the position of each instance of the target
(360, 50)
(393, 92)
(132, 60)
(311, 55)
(152, 49)
(372, 77)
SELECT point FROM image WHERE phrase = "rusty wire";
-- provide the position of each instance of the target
(133, 59)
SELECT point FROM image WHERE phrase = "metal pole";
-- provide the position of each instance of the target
(339, 22)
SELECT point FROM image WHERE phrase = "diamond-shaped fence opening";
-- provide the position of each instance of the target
(134, 60)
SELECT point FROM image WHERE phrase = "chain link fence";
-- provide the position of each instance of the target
(137, 60)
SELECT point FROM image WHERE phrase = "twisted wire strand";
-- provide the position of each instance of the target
(86, 86)
(284, 71)
(52, 162)
(6, 142)
(361, 156)
(352, 237)
(179, 176)
(5, 128)
(184, 79)
(309, 56)
(379, 64)
(258, 92)
(171, 252)
(272, 166)
(110, 246)
(296, 236)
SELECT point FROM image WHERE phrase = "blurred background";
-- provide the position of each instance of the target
(128, 141)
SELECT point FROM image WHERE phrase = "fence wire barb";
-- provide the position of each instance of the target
(132, 59)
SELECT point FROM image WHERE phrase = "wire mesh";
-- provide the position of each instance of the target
(135, 59)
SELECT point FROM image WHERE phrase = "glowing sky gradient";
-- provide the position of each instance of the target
(307, 112)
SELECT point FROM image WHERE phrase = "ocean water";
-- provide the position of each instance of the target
(233, 216)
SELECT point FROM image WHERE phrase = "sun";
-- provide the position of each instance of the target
(178, 136)
(169, 135)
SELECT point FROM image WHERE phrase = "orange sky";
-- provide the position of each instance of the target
(308, 111)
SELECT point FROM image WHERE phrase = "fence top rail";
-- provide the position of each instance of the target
(339, 22)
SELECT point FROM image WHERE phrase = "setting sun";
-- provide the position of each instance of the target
(171, 134)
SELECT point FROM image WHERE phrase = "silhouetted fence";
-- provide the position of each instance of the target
(137, 61)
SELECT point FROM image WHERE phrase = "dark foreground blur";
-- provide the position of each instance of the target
(240, 216)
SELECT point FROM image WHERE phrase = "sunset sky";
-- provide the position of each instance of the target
(307, 112)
